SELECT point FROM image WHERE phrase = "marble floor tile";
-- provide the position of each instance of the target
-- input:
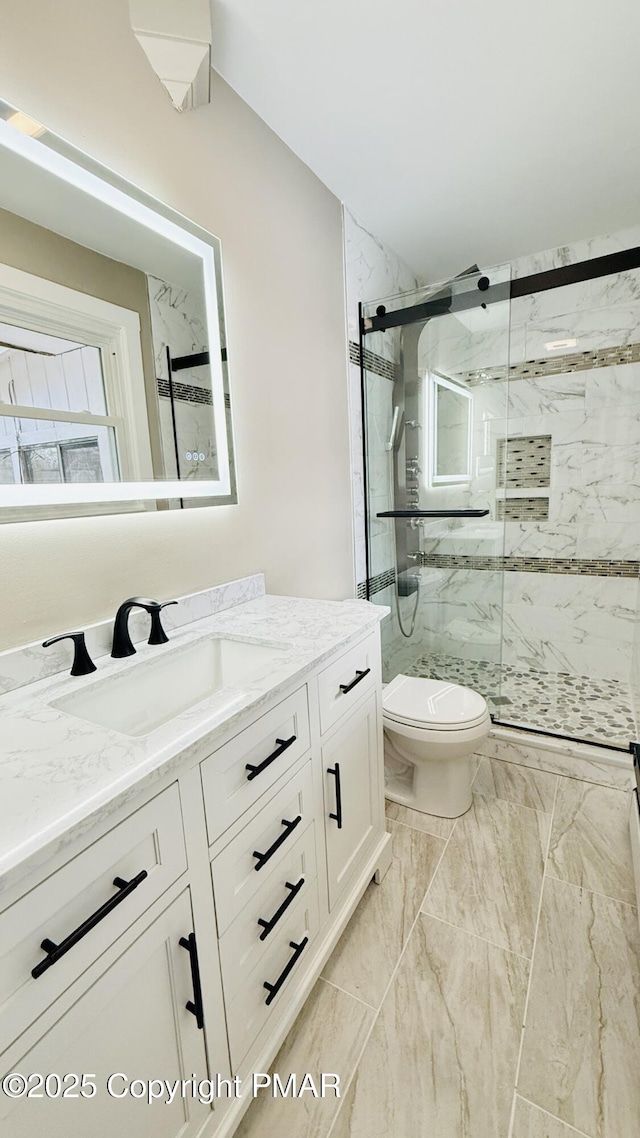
(581, 1048)
(327, 1036)
(520, 785)
(441, 1059)
(428, 823)
(366, 954)
(590, 844)
(531, 1122)
(490, 876)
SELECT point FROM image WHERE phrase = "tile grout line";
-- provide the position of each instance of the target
(350, 994)
(548, 1113)
(520, 805)
(469, 932)
(391, 979)
(594, 892)
(533, 956)
(408, 826)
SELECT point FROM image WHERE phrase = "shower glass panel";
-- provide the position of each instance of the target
(572, 529)
(525, 411)
(435, 392)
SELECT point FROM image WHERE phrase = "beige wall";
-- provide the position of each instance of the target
(76, 66)
(43, 253)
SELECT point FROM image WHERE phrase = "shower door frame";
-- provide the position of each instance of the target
(441, 305)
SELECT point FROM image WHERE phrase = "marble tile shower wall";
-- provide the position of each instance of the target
(374, 271)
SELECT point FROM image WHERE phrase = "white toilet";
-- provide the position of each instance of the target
(431, 730)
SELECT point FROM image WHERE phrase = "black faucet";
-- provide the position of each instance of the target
(82, 665)
(122, 645)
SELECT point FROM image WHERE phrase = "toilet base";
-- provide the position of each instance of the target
(437, 783)
(443, 790)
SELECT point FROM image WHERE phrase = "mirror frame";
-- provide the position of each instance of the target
(58, 158)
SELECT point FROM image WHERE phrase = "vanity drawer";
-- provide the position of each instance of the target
(146, 853)
(341, 684)
(282, 963)
(279, 897)
(270, 746)
(238, 874)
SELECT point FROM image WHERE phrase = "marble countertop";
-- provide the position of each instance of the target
(60, 775)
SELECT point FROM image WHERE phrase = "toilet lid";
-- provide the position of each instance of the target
(419, 702)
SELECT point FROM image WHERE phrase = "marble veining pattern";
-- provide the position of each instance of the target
(581, 1052)
(488, 882)
(590, 843)
(60, 774)
(431, 1068)
(442, 1055)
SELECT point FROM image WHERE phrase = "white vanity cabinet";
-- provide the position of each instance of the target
(259, 854)
(351, 794)
(131, 1020)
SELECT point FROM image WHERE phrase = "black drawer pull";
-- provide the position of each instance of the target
(273, 989)
(194, 1006)
(282, 746)
(56, 951)
(269, 926)
(265, 857)
(335, 771)
(344, 688)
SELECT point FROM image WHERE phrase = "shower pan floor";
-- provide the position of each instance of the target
(577, 706)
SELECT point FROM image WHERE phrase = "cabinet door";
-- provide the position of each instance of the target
(350, 759)
(132, 1020)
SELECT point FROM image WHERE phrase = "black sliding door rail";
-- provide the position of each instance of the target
(441, 304)
(433, 514)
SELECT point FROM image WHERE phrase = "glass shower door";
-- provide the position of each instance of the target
(435, 387)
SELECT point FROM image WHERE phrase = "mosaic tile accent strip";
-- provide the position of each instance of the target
(584, 567)
(372, 362)
(555, 365)
(376, 584)
(522, 509)
(578, 706)
(524, 462)
(185, 392)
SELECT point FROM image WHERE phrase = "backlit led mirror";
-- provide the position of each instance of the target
(449, 418)
(113, 371)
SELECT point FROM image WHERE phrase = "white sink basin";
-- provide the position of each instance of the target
(155, 691)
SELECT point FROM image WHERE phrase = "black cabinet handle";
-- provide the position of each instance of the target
(273, 989)
(194, 1006)
(344, 688)
(269, 926)
(282, 746)
(263, 858)
(56, 951)
(335, 771)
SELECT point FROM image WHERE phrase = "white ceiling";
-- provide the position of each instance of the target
(458, 130)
